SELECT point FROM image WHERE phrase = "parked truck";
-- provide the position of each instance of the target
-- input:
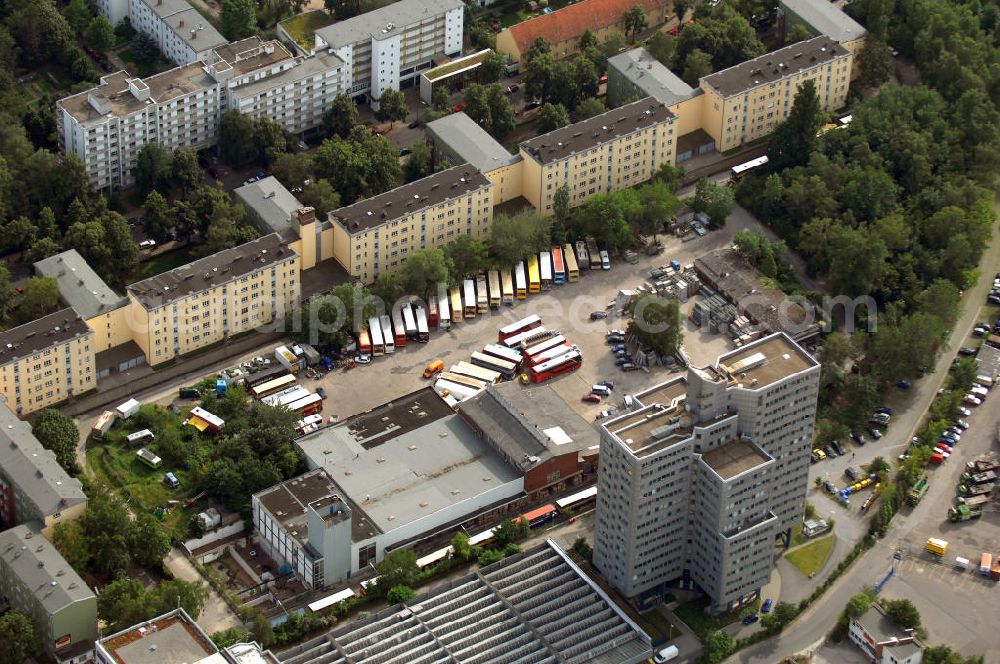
(287, 359)
(311, 354)
(917, 491)
(964, 513)
(979, 478)
(976, 489)
(985, 564)
(972, 501)
(103, 424)
(936, 546)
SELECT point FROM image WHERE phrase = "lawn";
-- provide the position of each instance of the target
(702, 624)
(811, 557)
(163, 263)
(302, 28)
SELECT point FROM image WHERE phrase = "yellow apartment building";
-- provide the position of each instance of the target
(214, 298)
(747, 101)
(820, 17)
(377, 234)
(618, 149)
(46, 361)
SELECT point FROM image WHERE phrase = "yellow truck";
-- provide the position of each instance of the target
(936, 546)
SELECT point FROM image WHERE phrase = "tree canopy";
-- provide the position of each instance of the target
(58, 433)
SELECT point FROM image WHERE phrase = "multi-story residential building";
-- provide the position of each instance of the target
(563, 28)
(36, 580)
(33, 486)
(458, 140)
(824, 18)
(46, 361)
(107, 126)
(696, 484)
(388, 48)
(377, 234)
(213, 298)
(618, 149)
(749, 100)
(182, 34)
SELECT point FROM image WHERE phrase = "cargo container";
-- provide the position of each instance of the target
(103, 424)
(936, 546)
(287, 359)
(127, 409)
(985, 564)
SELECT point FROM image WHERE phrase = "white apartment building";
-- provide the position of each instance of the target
(696, 484)
(108, 125)
(182, 34)
(388, 48)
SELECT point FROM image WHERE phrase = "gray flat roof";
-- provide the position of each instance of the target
(884, 630)
(195, 30)
(775, 66)
(401, 201)
(79, 286)
(288, 502)
(734, 457)
(424, 459)
(42, 570)
(594, 131)
(273, 204)
(536, 606)
(650, 76)
(34, 469)
(471, 142)
(41, 333)
(526, 421)
(211, 271)
(303, 68)
(376, 23)
(826, 18)
(167, 7)
(765, 361)
(171, 638)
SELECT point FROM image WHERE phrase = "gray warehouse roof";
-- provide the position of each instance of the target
(272, 203)
(775, 66)
(41, 333)
(42, 570)
(537, 606)
(79, 286)
(825, 18)
(384, 22)
(34, 469)
(649, 75)
(471, 142)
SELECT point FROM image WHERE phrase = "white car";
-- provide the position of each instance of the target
(147, 244)
(972, 399)
(964, 412)
(605, 260)
(363, 359)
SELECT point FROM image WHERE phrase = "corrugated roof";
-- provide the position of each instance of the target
(569, 23)
(79, 286)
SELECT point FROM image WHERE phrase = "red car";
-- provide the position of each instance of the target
(378, 131)
(460, 106)
(591, 398)
(672, 32)
(603, 79)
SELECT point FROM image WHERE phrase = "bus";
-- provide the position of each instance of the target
(578, 500)
(482, 298)
(286, 397)
(543, 346)
(311, 404)
(444, 313)
(534, 285)
(520, 282)
(572, 271)
(272, 386)
(582, 257)
(495, 296)
(539, 516)
(506, 288)
(455, 297)
(558, 267)
(479, 373)
(503, 353)
(469, 298)
(423, 332)
(364, 343)
(433, 558)
(261, 377)
(388, 337)
(457, 390)
(461, 379)
(506, 369)
(592, 251)
(398, 328)
(738, 171)
(523, 325)
(527, 338)
(549, 354)
(375, 329)
(330, 600)
(545, 269)
(433, 318)
(558, 366)
(409, 322)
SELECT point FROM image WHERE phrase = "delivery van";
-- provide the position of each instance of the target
(434, 368)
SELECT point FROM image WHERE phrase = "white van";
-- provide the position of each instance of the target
(979, 389)
(605, 260)
(985, 381)
(600, 389)
(666, 654)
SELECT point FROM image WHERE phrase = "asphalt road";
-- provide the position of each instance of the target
(812, 626)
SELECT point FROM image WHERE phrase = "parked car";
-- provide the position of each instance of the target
(615, 339)
(620, 333)
(972, 399)
(830, 452)
(820, 453)
(768, 603)
(628, 366)
(615, 349)
(362, 359)
(147, 244)
(964, 412)
(598, 315)
(813, 457)
(610, 384)
(965, 351)
(414, 124)
(591, 398)
(904, 384)
(884, 409)
(858, 438)
(830, 487)
(622, 361)
(321, 392)
(751, 619)
(404, 151)
(840, 450)
(875, 433)
(532, 104)
(962, 424)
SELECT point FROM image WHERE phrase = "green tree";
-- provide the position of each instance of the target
(184, 170)
(510, 531)
(663, 47)
(78, 14)
(58, 433)
(697, 64)
(502, 120)
(858, 605)
(875, 61)
(512, 238)
(398, 568)
(491, 68)
(460, 547)
(19, 233)
(392, 106)
(552, 117)
(489, 557)
(100, 34)
(152, 168)
(538, 47)
(144, 49)
(540, 76)
(237, 19)
(17, 637)
(945, 655)
(466, 255)
(237, 146)
(561, 204)
(672, 176)
(440, 98)
(292, 168)
(424, 270)
(171, 593)
(419, 165)
(721, 33)
(657, 323)
(320, 195)
(41, 295)
(718, 646)
(794, 139)
(634, 21)
(614, 44)
(588, 108)
(399, 594)
(124, 602)
(41, 249)
(681, 8)
(148, 542)
(361, 165)
(963, 373)
(658, 204)
(902, 612)
(106, 524)
(341, 116)
(157, 219)
(69, 539)
(477, 107)
(714, 200)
